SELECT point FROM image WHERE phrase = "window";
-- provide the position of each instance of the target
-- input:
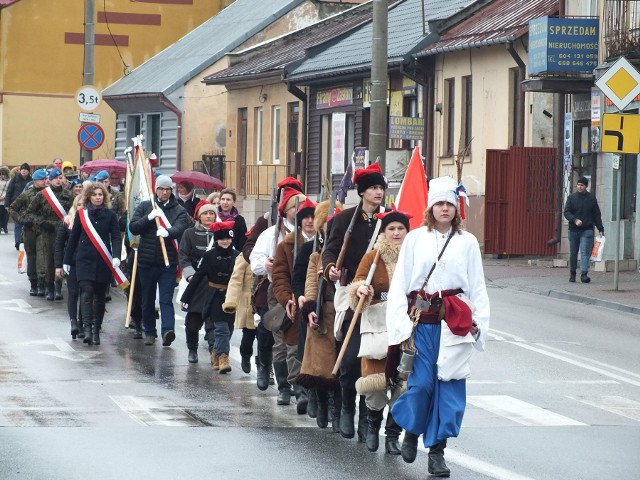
(133, 128)
(259, 114)
(275, 127)
(467, 91)
(450, 98)
(153, 133)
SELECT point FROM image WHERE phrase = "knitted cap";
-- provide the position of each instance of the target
(584, 181)
(201, 207)
(25, 166)
(164, 181)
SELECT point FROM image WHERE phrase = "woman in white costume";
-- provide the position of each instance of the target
(428, 312)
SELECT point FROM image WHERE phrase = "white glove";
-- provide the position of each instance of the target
(154, 213)
(66, 269)
(115, 262)
(162, 232)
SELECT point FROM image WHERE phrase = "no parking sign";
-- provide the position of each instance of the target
(90, 136)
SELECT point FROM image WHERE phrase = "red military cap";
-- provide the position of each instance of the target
(368, 177)
(222, 230)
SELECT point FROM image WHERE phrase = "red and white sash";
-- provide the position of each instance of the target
(54, 203)
(90, 230)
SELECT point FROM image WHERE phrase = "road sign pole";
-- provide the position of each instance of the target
(616, 263)
(89, 42)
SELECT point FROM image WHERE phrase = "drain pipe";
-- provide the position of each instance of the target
(302, 96)
(522, 73)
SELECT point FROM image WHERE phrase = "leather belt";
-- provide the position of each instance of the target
(219, 286)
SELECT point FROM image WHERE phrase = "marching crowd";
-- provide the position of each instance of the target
(346, 307)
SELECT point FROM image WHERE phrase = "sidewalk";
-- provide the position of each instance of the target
(516, 273)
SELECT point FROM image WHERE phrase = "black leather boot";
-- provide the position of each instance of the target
(302, 399)
(192, 345)
(392, 433)
(347, 413)
(74, 328)
(80, 329)
(334, 400)
(312, 406)
(245, 363)
(33, 291)
(584, 278)
(362, 420)
(41, 290)
(88, 332)
(409, 447)
(57, 292)
(50, 289)
(572, 277)
(96, 333)
(322, 404)
(437, 466)
(284, 388)
(263, 363)
(374, 421)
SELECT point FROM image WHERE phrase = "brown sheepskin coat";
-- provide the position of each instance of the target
(380, 283)
(238, 297)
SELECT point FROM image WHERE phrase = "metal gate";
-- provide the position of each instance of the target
(521, 201)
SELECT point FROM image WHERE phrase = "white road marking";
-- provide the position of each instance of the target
(500, 335)
(614, 404)
(490, 382)
(578, 382)
(21, 306)
(480, 466)
(154, 411)
(66, 351)
(521, 412)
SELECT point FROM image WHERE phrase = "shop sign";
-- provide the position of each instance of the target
(563, 45)
(334, 97)
(406, 128)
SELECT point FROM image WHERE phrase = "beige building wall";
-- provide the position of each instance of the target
(42, 53)
(492, 117)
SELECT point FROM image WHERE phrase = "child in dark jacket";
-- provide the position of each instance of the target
(216, 268)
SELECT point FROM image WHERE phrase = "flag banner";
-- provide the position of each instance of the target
(137, 190)
(347, 180)
(413, 193)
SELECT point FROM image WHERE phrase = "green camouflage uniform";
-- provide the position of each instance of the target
(48, 222)
(117, 202)
(19, 212)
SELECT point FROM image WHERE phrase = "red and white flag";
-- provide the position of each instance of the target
(412, 197)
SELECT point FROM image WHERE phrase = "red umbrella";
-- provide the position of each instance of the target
(108, 164)
(198, 179)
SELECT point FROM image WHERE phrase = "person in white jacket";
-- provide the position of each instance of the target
(261, 260)
(434, 403)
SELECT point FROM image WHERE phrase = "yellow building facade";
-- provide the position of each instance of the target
(42, 56)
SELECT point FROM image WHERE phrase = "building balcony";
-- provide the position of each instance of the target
(621, 29)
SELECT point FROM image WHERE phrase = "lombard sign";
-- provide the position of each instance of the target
(563, 45)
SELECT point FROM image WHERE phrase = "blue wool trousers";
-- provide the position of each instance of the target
(430, 407)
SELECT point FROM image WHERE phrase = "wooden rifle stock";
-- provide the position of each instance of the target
(356, 315)
(347, 237)
(321, 283)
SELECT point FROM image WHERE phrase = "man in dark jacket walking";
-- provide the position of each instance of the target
(582, 212)
(151, 267)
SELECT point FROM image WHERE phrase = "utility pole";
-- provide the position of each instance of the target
(88, 64)
(379, 71)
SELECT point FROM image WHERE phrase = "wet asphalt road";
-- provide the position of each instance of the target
(556, 396)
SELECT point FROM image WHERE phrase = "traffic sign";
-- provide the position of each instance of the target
(89, 117)
(620, 83)
(88, 98)
(621, 133)
(90, 136)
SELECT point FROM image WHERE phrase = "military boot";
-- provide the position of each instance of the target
(347, 413)
(302, 399)
(96, 332)
(41, 289)
(374, 421)
(192, 345)
(215, 360)
(312, 406)
(80, 328)
(263, 365)
(335, 407)
(57, 293)
(409, 448)
(50, 291)
(284, 388)
(322, 403)
(362, 420)
(436, 465)
(33, 291)
(392, 433)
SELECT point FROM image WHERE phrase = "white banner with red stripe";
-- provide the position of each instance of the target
(166, 224)
(90, 230)
(54, 203)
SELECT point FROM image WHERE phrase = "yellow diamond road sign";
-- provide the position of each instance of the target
(620, 83)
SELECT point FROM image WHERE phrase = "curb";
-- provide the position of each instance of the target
(593, 301)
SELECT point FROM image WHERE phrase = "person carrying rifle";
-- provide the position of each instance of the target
(361, 225)
(319, 349)
(262, 261)
(260, 286)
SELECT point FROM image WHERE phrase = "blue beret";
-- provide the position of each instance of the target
(101, 175)
(39, 174)
(75, 182)
(54, 173)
